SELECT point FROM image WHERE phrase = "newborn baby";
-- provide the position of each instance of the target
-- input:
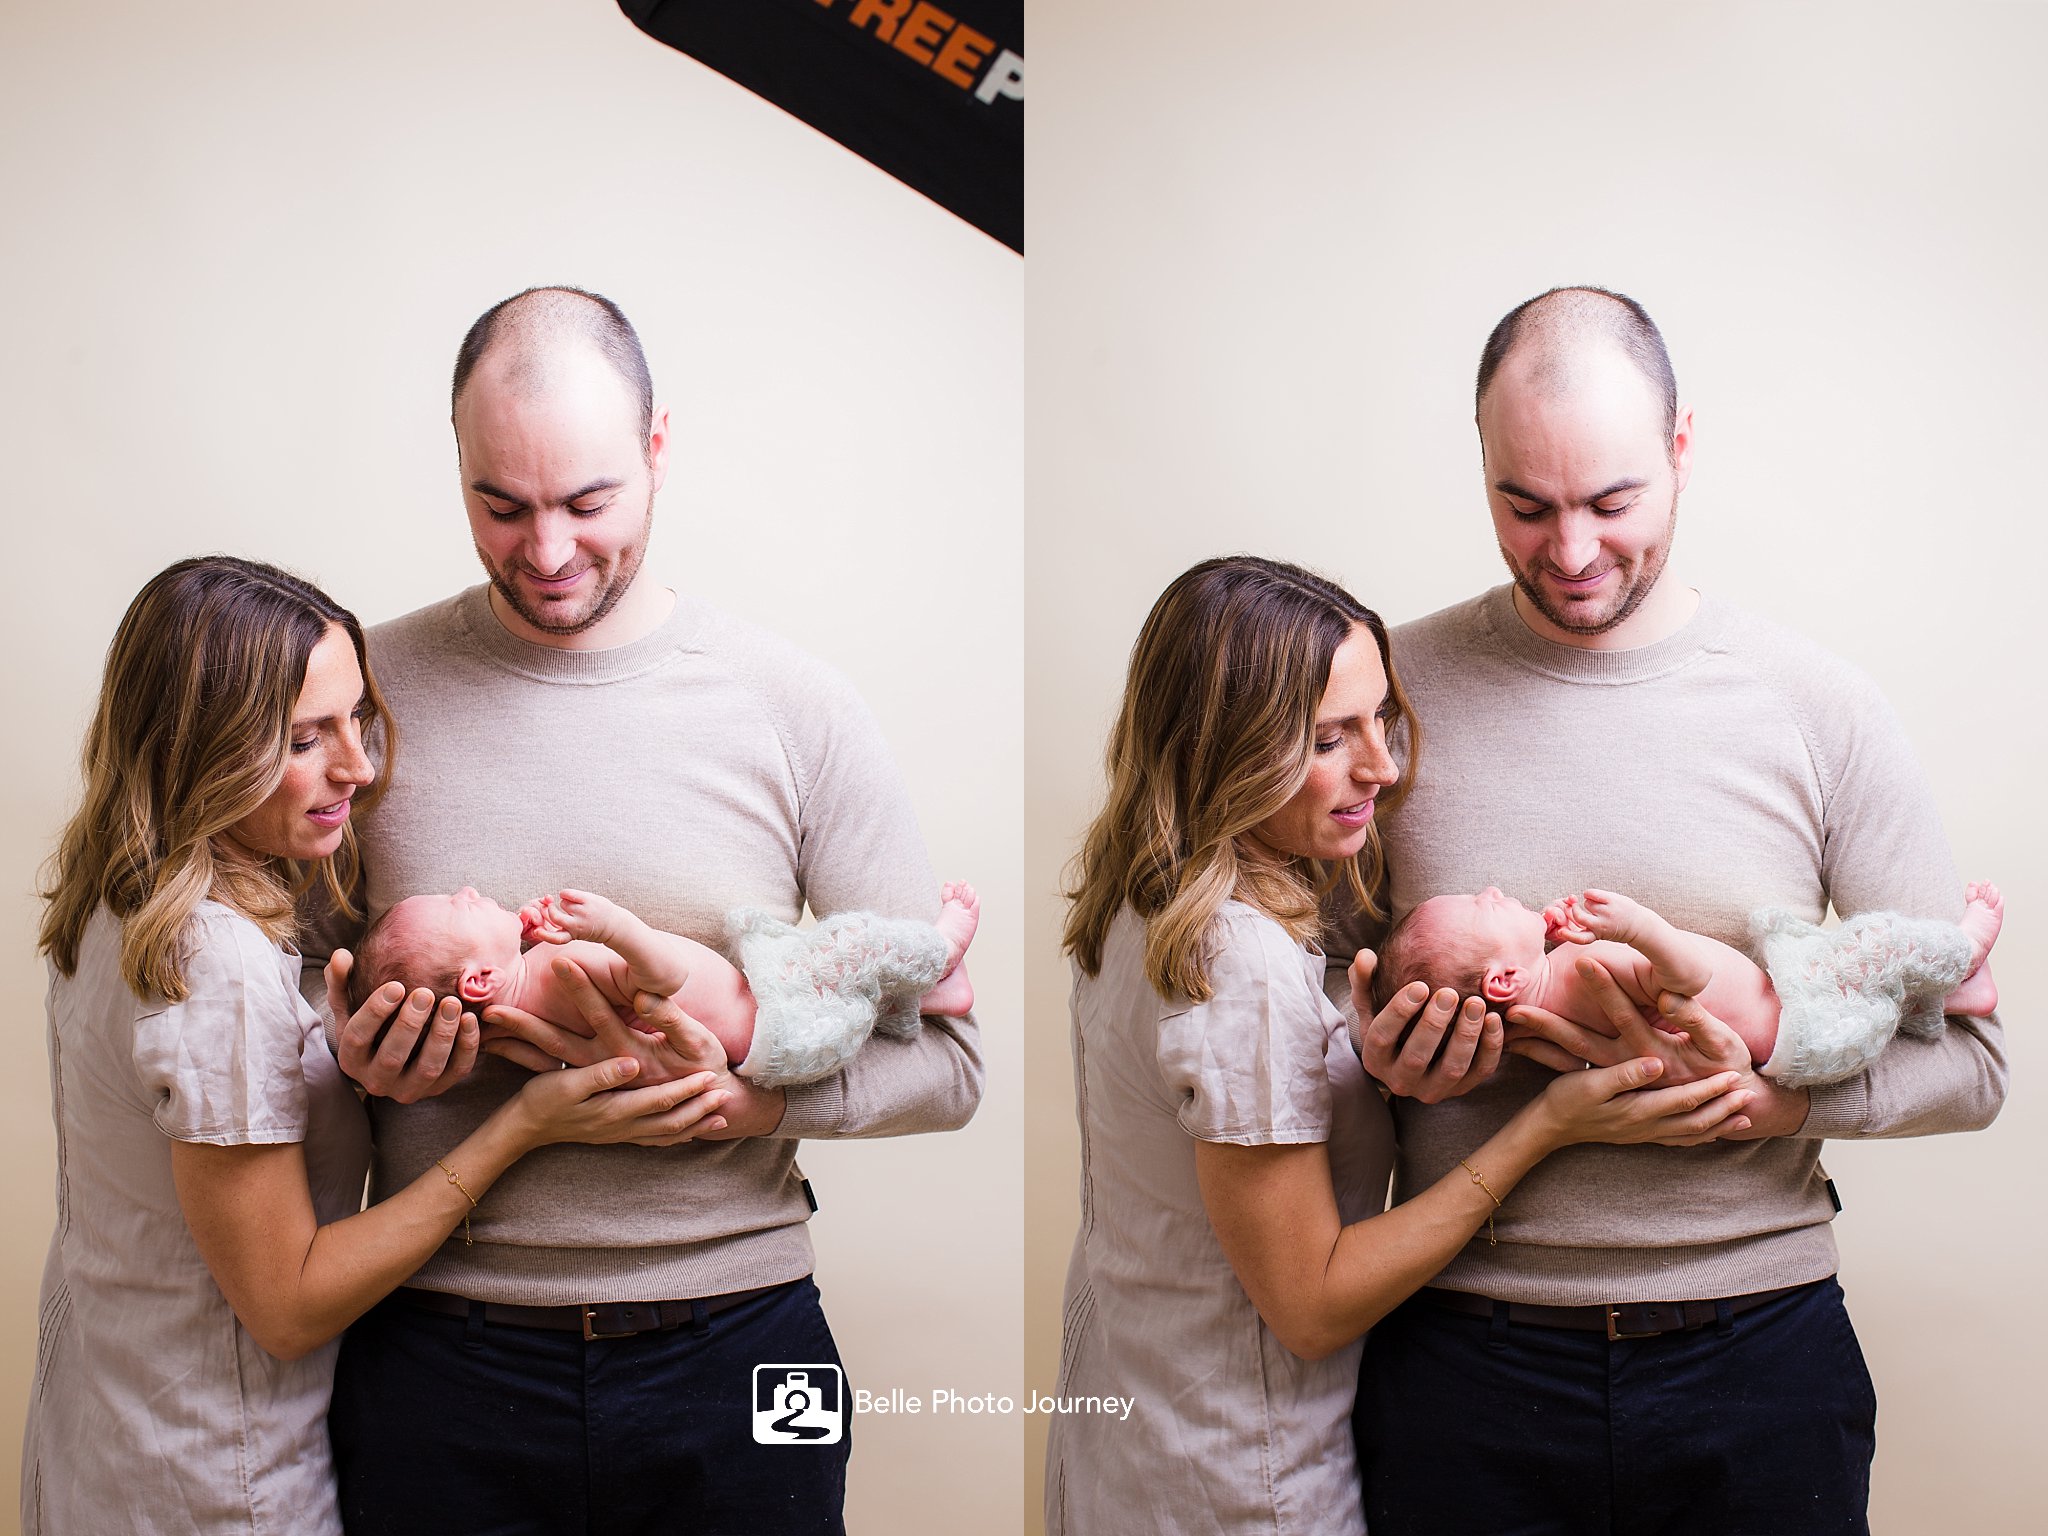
(805, 1001)
(1822, 1006)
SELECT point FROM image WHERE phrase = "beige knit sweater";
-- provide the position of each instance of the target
(1732, 766)
(705, 767)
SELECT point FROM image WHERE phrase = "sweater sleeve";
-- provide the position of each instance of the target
(859, 849)
(1884, 850)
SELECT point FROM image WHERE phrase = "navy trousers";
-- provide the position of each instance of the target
(470, 1429)
(1760, 1425)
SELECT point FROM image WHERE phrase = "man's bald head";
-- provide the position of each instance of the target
(526, 336)
(1548, 338)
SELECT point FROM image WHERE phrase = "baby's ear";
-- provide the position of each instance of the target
(477, 982)
(1502, 984)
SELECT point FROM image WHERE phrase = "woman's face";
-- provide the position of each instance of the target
(1330, 816)
(324, 764)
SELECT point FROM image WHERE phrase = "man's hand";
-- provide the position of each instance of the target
(667, 1044)
(387, 1067)
(1692, 1044)
(1409, 1066)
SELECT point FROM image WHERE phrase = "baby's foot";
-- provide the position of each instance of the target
(959, 915)
(1983, 916)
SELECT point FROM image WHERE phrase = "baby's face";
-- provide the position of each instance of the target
(1484, 928)
(456, 930)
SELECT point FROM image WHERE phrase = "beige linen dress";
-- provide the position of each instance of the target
(1231, 1433)
(153, 1410)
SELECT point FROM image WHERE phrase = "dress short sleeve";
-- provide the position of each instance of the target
(224, 1064)
(1248, 1063)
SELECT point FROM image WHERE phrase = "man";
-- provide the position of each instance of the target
(587, 1362)
(1598, 723)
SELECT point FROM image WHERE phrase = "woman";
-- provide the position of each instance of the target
(1232, 1249)
(209, 1242)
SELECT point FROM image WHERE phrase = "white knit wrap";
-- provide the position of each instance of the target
(1844, 992)
(819, 992)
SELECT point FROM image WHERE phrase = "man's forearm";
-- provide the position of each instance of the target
(1918, 1087)
(894, 1087)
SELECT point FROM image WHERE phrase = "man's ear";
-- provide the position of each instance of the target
(657, 448)
(1681, 447)
(477, 982)
(1502, 984)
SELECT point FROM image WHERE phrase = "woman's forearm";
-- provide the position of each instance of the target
(1319, 1284)
(296, 1284)
(1378, 1263)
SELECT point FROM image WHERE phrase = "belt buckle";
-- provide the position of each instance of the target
(1614, 1329)
(590, 1331)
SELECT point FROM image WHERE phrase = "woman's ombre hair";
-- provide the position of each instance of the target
(191, 735)
(1215, 735)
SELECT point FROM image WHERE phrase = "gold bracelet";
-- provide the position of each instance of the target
(1491, 1240)
(467, 1240)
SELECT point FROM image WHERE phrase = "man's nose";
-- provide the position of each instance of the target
(551, 543)
(1576, 544)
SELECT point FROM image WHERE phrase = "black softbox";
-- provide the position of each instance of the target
(932, 94)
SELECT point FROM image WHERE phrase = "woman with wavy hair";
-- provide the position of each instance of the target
(1233, 1247)
(210, 1240)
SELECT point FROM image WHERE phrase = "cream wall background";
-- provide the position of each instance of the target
(241, 243)
(1266, 245)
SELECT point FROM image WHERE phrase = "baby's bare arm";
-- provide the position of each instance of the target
(1680, 962)
(655, 961)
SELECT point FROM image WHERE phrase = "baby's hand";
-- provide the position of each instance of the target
(540, 923)
(1564, 923)
(583, 915)
(1606, 915)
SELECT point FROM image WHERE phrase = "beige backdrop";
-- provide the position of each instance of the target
(1266, 245)
(241, 242)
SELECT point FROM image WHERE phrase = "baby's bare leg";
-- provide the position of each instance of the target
(959, 915)
(1680, 961)
(1983, 916)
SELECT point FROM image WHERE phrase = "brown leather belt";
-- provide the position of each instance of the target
(1617, 1319)
(592, 1319)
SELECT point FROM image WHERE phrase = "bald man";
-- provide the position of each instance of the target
(1656, 1341)
(588, 1361)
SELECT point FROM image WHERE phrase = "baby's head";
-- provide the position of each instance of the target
(463, 945)
(1488, 945)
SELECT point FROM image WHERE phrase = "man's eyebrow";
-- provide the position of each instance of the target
(1630, 483)
(485, 488)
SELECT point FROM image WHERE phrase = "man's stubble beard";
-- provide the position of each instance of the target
(625, 572)
(1649, 570)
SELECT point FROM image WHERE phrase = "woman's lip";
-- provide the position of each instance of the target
(1355, 815)
(331, 815)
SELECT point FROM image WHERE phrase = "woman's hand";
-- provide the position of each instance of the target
(594, 1105)
(1614, 1104)
(1409, 1066)
(1692, 1044)
(667, 1044)
(385, 1066)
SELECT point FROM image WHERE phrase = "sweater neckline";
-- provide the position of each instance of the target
(1577, 664)
(553, 664)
